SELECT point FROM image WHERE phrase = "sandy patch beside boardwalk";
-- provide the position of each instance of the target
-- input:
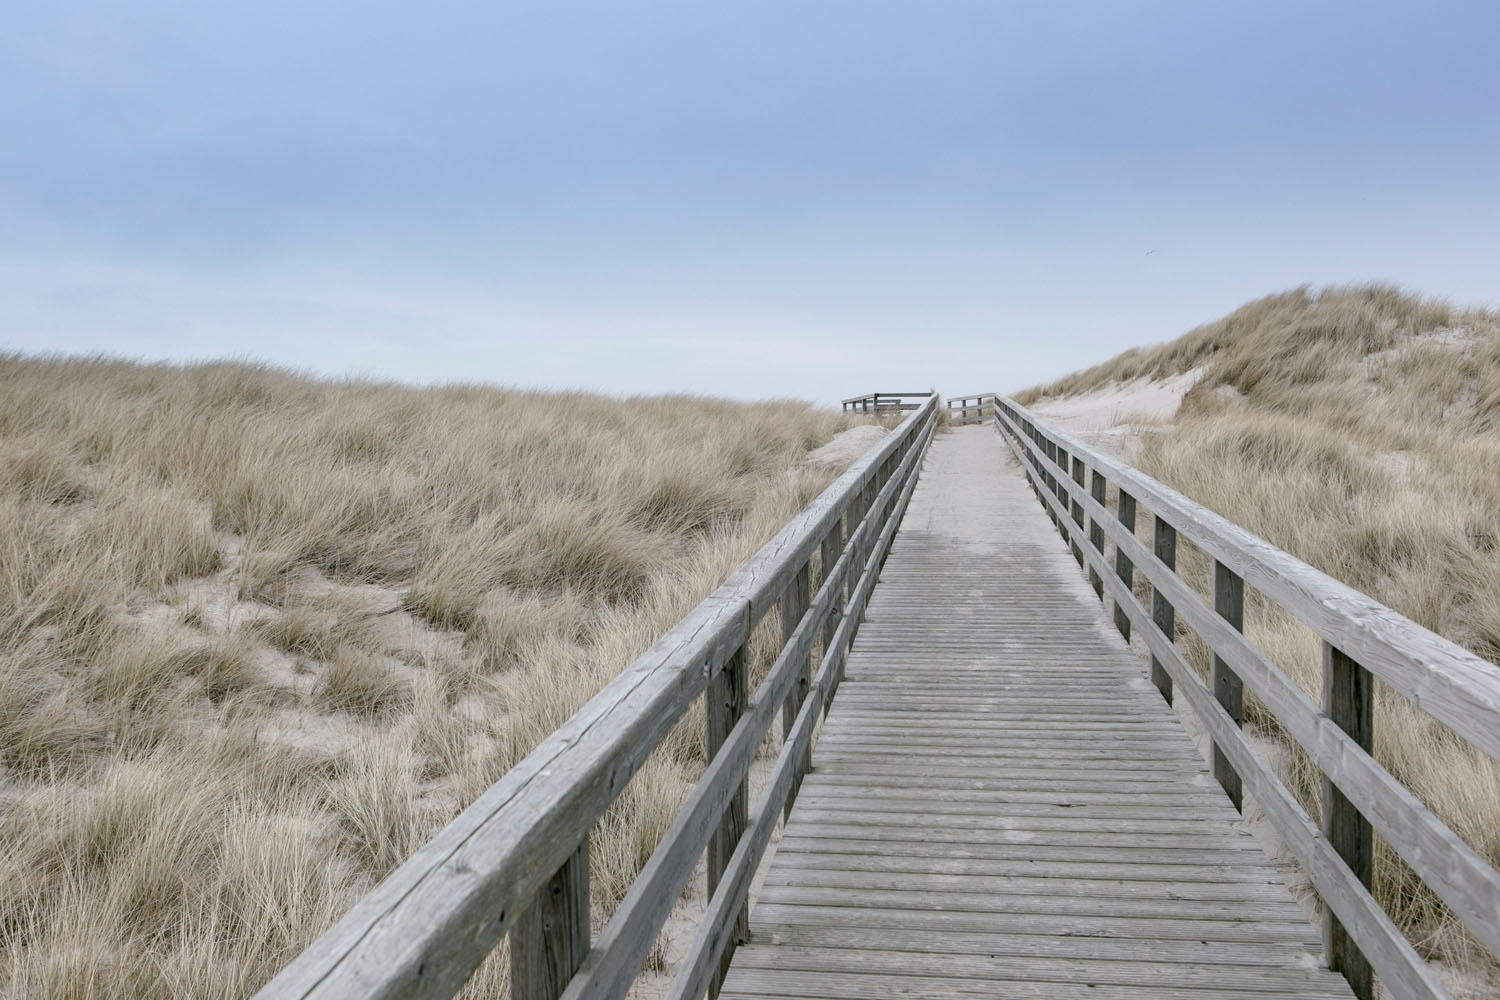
(1115, 417)
(847, 446)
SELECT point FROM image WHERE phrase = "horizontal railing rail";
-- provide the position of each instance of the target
(886, 402)
(1361, 639)
(516, 861)
(970, 409)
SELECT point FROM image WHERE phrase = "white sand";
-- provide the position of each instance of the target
(1114, 418)
(847, 446)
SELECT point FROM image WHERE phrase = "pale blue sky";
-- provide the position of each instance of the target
(813, 199)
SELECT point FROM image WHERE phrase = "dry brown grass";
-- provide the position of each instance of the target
(1357, 429)
(261, 636)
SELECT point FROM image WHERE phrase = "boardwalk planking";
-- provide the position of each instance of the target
(1001, 804)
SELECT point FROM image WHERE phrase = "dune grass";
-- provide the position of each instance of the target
(1358, 429)
(261, 636)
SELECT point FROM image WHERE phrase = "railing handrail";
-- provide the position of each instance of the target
(1450, 683)
(879, 402)
(428, 925)
(962, 412)
(889, 395)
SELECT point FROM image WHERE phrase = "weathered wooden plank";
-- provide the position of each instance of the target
(551, 937)
(1201, 953)
(714, 938)
(1349, 700)
(725, 704)
(1164, 547)
(1188, 812)
(1208, 912)
(793, 605)
(804, 854)
(902, 843)
(1009, 884)
(1000, 968)
(1124, 569)
(1099, 490)
(1229, 604)
(842, 986)
(1014, 923)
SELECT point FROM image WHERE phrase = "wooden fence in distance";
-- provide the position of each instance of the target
(886, 402)
(970, 409)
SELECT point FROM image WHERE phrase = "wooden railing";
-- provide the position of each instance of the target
(970, 409)
(886, 402)
(516, 861)
(1360, 637)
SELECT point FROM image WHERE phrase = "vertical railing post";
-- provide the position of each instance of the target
(1096, 531)
(1060, 457)
(1124, 568)
(1229, 602)
(1164, 546)
(723, 703)
(1348, 701)
(1077, 509)
(550, 939)
(794, 601)
(833, 545)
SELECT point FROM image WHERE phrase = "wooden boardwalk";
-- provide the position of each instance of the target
(1001, 804)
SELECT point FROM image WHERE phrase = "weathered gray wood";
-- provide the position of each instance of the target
(957, 763)
(1076, 538)
(1452, 684)
(1096, 533)
(793, 605)
(1164, 546)
(1229, 602)
(713, 943)
(550, 939)
(878, 975)
(1464, 880)
(1391, 955)
(632, 929)
(1125, 514)
(928, 942)
(833, 545)
(1349, 700)
(725, 703)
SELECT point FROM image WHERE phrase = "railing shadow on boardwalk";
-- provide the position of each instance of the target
(516, 861)
(1362, 639)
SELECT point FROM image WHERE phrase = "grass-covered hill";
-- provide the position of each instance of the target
(262, 635)
(1359, 429)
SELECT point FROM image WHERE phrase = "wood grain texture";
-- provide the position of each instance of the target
(1124, 568)
(551, 938)
(1229, 690)
(1164, 547)
(1349, 701)
(994, 769)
